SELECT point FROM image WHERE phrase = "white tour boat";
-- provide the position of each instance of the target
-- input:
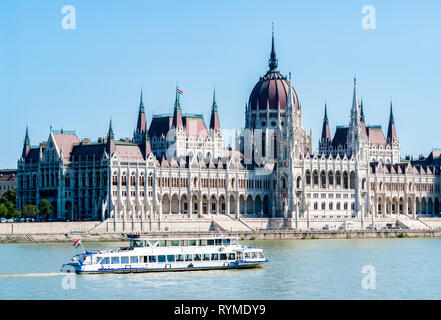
(168, 254)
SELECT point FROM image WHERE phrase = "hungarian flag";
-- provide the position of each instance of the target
(77, 243)
(180, 91)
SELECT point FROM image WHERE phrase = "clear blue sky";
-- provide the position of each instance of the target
(77, 79)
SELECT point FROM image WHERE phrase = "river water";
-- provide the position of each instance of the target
(298, 269)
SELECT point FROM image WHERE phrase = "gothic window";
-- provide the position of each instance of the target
(323, 179)
(141, 179)
(124, 179)
(323, 205)
(308, 177)
(132, 179)
(299, 180)
(345, 180)
(330, 178)
(114, 179)
(315, 175)
(338, 178)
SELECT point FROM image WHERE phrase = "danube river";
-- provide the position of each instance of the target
(298, 269)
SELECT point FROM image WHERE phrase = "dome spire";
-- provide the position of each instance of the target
(273, 60)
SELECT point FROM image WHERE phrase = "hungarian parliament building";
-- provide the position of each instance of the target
(180, 166)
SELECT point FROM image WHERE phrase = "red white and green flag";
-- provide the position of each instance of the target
(180, 91)
(77, 243)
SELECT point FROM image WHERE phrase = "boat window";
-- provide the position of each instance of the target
(223, 256)
(124, 259)
(98, 260)
(254, 255)
(231, 256)
(197, 257)
(168, 243)
(162, 243)
(145, 259)
(134, 259)
(206, 257)
(210, 242)
(185, 243)
(234, 242)
(115, 260)
(202, 242)
(226, 242)
(192, 242)
(218, 242)
(247, 255)
(175, 243)
(137, 243)
(260, 255)
(170, 258)
(179, 257)
(105, 260)
(152, 259)
(214, 256)
(188, 257)
(239, 255)
(161, 258)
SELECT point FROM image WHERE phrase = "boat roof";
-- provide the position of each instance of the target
(181, 238)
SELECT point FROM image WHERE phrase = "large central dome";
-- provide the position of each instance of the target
(272, 89)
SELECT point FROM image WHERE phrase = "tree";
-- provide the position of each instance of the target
(30, 210)
(45, 208)
(9, 196)
(12, 210)
(3, 211)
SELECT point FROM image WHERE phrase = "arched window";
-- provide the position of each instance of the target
(315, 177)
(308, 177)
(124, 179)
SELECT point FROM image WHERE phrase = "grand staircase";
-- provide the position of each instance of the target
(413, 224)
(227, 223)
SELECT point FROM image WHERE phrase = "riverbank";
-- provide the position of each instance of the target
(261, 235)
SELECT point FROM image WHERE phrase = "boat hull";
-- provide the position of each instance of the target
(235, 265)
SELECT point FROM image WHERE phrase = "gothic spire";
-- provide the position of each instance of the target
(391, 130)
(110, 135)
(214, 120)
(26, 144)
(177, 113)
(142, 123)
(273, 60)
(326, 132)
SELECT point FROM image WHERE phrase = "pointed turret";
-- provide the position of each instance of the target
(391, 131)
(354, 109)
(110, 145)
(362, 120)
(26, 144)
(273, 60)
(141, 125)
(214, 120)
(326, 132)
(177, 113)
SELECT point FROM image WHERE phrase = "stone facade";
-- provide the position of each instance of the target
(179, 166)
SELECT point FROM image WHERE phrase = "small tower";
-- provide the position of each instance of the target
(141, 126)
(325, 139)
(392, 138)
(214, 120)
(110, 144)
(26, 144)
(177, 112)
